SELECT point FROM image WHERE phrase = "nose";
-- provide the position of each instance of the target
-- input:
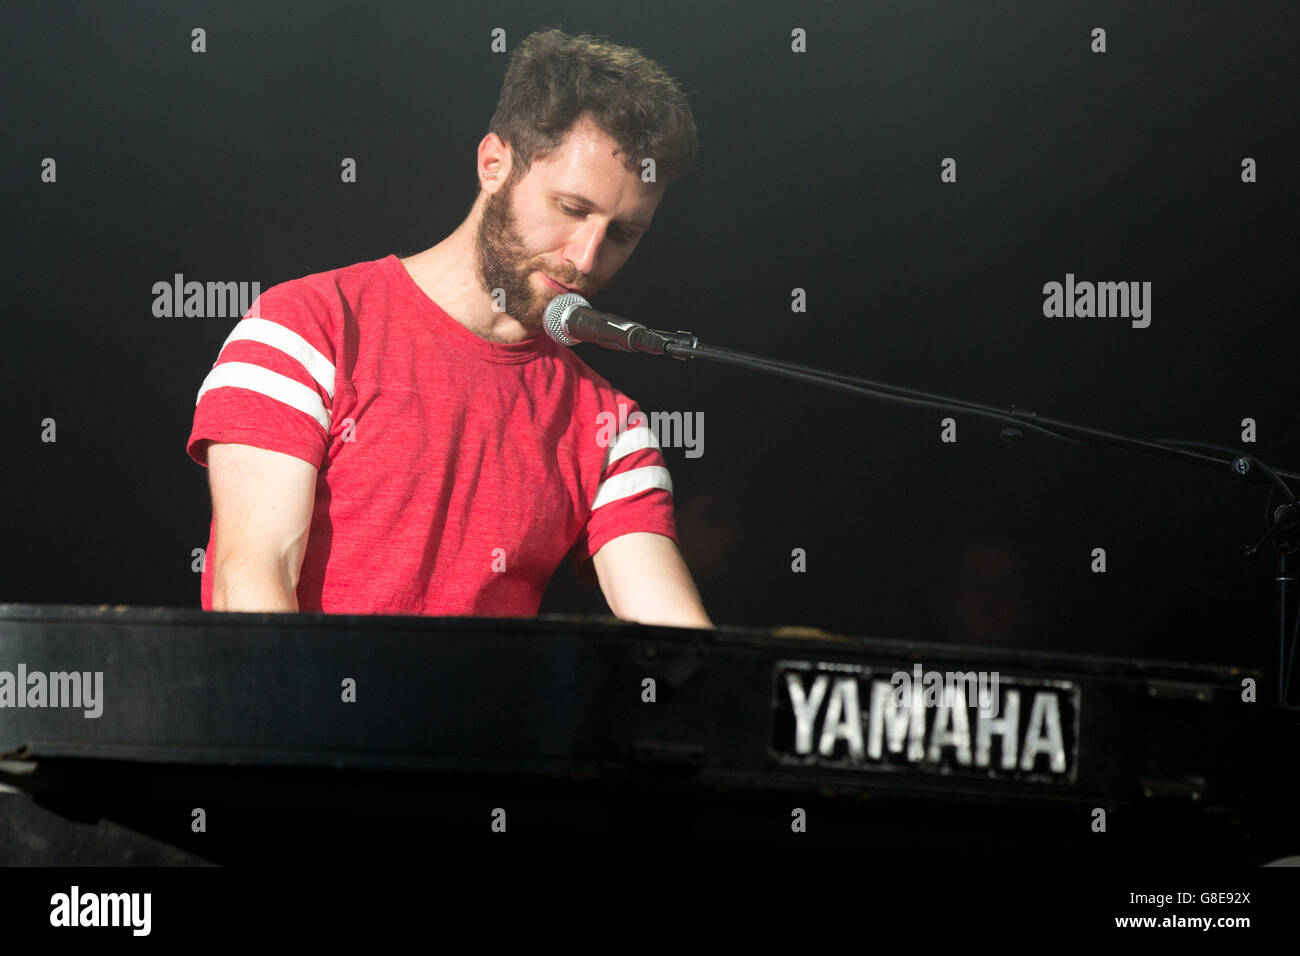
(584, 247)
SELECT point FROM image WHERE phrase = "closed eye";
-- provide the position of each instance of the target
(621, 235)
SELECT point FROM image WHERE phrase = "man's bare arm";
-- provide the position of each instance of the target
(644, 579)
(262, 505)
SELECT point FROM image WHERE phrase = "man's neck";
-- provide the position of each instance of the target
(448, 274)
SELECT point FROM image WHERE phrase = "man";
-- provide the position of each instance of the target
(401, 436)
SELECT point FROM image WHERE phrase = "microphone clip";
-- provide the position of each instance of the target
(655, 342)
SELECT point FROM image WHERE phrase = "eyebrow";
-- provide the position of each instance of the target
(584, 201)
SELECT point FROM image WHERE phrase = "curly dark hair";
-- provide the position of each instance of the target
(554, 79)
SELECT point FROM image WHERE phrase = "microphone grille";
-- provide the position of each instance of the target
(557, 316)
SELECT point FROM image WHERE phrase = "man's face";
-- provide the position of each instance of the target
(574, 218)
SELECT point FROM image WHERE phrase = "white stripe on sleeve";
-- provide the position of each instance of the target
(634, 439)
(290, 343)
(255, 378)
(632, 482)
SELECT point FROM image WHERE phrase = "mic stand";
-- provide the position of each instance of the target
(1284, 532)
(1285, 536)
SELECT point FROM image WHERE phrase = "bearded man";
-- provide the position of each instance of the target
(400, 436)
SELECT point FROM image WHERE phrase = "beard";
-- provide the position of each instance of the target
(504, 263)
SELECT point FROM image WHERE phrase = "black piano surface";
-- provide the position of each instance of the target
(245, 737)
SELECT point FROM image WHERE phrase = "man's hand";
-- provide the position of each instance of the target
(645, 579)
(262, 502)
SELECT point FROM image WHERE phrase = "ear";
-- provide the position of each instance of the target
(494, 162)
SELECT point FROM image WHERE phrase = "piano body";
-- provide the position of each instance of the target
(162, 735)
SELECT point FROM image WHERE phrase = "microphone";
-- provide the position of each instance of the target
(570, 319)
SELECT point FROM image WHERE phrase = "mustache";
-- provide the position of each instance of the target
(574, 282)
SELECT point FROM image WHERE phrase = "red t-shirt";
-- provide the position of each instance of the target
(454, 474)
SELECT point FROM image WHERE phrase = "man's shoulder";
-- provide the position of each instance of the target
(323, 298)
(331, 284)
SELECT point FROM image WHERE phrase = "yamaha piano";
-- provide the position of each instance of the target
(134, 735)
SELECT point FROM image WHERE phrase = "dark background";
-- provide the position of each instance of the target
(818, 171)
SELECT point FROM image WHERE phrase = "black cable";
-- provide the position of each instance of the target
(684, 348)
(1237, 453)
(684, 345)
(860, 386)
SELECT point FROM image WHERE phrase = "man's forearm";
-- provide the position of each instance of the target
(670, 598)
(243, 587)
(684, 614)
(645, 579)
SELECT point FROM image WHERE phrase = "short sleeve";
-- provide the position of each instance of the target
(272, 385)
(273, 381)
(635, 492)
